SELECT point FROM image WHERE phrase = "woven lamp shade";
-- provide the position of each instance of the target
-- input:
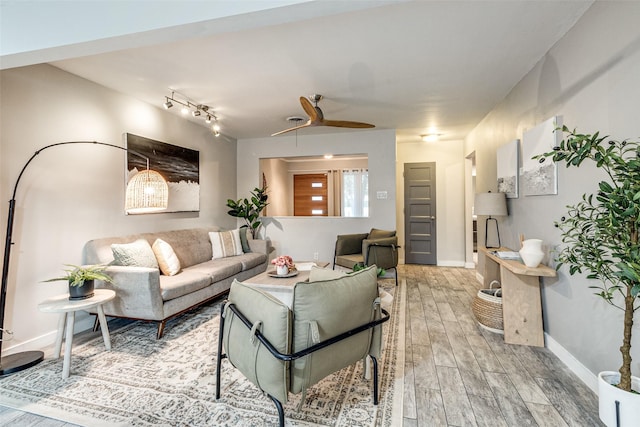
(147, 192)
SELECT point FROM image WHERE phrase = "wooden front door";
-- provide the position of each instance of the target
(420, 213)
(310, 195)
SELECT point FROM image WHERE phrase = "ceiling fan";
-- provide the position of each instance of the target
(316, 118)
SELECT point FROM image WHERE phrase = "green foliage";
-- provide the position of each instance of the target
(360, 266)
(77, 275)
(250, 209)
(600, 233)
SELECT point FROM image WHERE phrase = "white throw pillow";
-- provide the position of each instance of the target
(136, 254)
(167, 258)
(225, 243)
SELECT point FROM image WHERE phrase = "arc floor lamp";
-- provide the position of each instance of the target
(146, 192)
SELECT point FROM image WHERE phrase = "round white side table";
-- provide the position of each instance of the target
(67, 309)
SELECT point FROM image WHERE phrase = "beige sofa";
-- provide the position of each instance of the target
(146, 294)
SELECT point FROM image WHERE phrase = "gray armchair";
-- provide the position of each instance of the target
(332, 324)
(379, 247)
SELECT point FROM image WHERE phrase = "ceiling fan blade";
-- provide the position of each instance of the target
(292, 129)
(308, 108)
(347, 124)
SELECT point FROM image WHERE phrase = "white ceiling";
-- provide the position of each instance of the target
(408, 65)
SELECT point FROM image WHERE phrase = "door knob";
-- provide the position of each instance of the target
(433, 218)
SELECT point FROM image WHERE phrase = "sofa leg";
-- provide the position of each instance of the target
(96, 323)
(396, 270)
(280, 410)
(375, 380)
(161, 326)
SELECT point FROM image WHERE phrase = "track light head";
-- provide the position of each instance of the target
(195, 113)
(167, 104)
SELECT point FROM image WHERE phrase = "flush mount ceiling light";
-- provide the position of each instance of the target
(430, 137)
(197, 110)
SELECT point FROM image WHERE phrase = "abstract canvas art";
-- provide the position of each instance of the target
(178, 165)
(508, 169)
(537, 178)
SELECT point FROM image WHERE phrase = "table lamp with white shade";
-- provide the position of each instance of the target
(490, 205)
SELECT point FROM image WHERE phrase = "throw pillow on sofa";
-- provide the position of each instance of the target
(225, 243)
(244, 240)
(136, 254)
(167, 258)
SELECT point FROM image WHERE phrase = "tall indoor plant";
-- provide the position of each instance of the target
(249, 209)
(601, 232)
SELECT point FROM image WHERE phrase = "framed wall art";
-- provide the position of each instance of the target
(539, 179)
(508, 157)
(180, 166)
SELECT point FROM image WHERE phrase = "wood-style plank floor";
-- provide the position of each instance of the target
(457, 374)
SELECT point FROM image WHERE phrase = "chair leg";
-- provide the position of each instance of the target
(220, 355)
(396, 270)
(375, 380)
(280, 410)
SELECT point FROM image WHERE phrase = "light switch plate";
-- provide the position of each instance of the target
(381, 195)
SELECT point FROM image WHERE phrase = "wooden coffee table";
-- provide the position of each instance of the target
(281, 287)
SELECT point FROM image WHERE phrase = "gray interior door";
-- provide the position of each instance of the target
(420, 213)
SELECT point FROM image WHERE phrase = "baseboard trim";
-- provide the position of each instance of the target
(469, 265)
(574, 365)
(450, 263)
(47, 339)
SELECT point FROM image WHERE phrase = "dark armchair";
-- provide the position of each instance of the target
(377, 247)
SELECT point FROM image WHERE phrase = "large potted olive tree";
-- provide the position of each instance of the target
(600, 236)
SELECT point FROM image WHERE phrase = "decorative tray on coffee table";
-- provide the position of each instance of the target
(292, 273)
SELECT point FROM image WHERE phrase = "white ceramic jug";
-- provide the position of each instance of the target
(531, 252)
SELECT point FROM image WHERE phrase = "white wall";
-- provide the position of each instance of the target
(72, 194)
(449, 159)
(303, 237)
(591, 78)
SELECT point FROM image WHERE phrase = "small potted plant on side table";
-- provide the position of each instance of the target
(81, 279)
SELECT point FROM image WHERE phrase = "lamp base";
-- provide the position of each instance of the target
(20, 361)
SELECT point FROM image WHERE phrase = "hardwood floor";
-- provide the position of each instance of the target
(457, 374)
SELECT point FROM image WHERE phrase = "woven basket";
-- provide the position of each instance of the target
(487, 307)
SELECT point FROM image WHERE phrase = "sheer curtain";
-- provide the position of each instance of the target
(355, 192)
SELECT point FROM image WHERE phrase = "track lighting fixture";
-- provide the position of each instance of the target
(197, 110)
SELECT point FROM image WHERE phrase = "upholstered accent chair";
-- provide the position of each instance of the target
(332, 324)
(379, 247)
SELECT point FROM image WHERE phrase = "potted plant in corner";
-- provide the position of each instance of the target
(249, 209)
(81, 279)
(601, 238)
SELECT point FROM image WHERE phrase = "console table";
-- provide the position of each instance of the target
(521, 304)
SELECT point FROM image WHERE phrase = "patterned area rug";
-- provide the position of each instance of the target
(171, 382)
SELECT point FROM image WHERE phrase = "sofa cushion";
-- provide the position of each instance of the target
(249, 356)
(218, 269)
(251, 260)
(167, 259)
(379, 234)
(136, 254)
(353, 295)
(225, 244)
(186, 282)
(244, 240)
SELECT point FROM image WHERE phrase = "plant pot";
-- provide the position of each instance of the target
(281, 270)
(83, 291)
(626, 413)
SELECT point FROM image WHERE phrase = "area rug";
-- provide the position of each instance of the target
(171, 382)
